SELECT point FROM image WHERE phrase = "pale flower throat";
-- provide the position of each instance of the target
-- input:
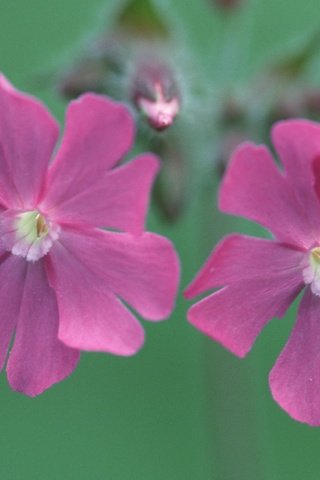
(311, 273)
(28, 234)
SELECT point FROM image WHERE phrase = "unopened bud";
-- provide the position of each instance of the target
(96, 71)
(284, 108)
(311, 101)
(232, 112)
(155, 94)
(170, 191)
(86, 75)
(230, 141)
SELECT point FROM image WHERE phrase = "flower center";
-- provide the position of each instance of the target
(27, 234)
(311, 273)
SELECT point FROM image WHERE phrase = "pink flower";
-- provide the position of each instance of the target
(63, 280)
(261, 278)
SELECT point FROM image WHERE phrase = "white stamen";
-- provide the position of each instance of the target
(28, 234)
(311, 272)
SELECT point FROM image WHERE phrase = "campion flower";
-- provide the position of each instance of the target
(258, 279)
(63, 279)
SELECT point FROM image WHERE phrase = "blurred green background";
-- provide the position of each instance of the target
(183, 407)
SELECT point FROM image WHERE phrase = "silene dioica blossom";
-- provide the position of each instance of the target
(63, 279)
(260, 278)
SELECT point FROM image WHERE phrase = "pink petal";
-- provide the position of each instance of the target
(295, 378)
(237, 258)
(12, 276)
(118, 199)
(298, 144)
(254, 187)
(99, 132)
(235, 315)
(90, 316)
(38, 359)
(28, 134)
(143, 271)
(316, 172)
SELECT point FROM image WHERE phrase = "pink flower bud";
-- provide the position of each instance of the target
(155, 93)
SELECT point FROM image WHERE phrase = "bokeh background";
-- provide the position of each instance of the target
(183, 407)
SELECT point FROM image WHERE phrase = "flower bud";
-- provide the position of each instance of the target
(230, 141)
(96, 70)
(171, 186)
(155, 93)
(311, 101)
